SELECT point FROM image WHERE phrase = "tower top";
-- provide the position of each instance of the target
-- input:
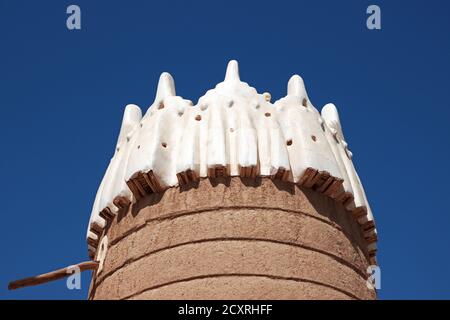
(234, 131)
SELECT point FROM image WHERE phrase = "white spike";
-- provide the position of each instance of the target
(232, 73)
(131, 117)
(331, 116)
(329, 113)
(166, 87)
(296, 87)
(132, 114)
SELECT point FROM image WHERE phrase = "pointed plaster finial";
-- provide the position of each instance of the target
(131, 117)
(166, 87)
(330, 113)
(331, 116)
(132, 114)
(232, 73)
(296, 87)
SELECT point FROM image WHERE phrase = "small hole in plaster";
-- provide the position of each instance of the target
(267, 114)
(138, 146)
(161, 106)
(305, 102)
(198, 117)
(180, 114)
(313, 138)
(231, 130)
(103, 247)
(164, 145)
(141, 125)
(289, 142)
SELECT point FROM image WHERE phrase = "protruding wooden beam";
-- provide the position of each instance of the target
(282, 174)
(187, 176)
(96, 228)
(192, 175)
(286, 175)
(359, 212)
(248, 172)
(334, 188)
(369, 225)
(217, 171)
(107, 214)
(345, 198)
(153, 182)
(349, 203)
(313, 176)
(149, 181)
(92, 242)
(321, 179)
(134, 190)
(182, 178)
(221, 171)
(254, 171)
(139, 186)
(121, 202)
(372, 238)
(326, 184)
(305, 176)
(51, 276)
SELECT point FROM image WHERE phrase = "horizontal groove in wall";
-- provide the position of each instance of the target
(174, 215)
(243, 275)
(128, 262)
(351, 270)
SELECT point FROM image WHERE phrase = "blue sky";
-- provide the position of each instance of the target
(62, 94)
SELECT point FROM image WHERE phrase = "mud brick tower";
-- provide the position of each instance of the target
(234, 197)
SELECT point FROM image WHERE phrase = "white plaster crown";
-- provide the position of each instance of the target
(234, 131)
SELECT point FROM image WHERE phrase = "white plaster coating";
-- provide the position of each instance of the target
(331, 117)
(231, 126)
(113, 182)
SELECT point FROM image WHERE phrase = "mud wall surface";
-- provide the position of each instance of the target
(234, 238)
